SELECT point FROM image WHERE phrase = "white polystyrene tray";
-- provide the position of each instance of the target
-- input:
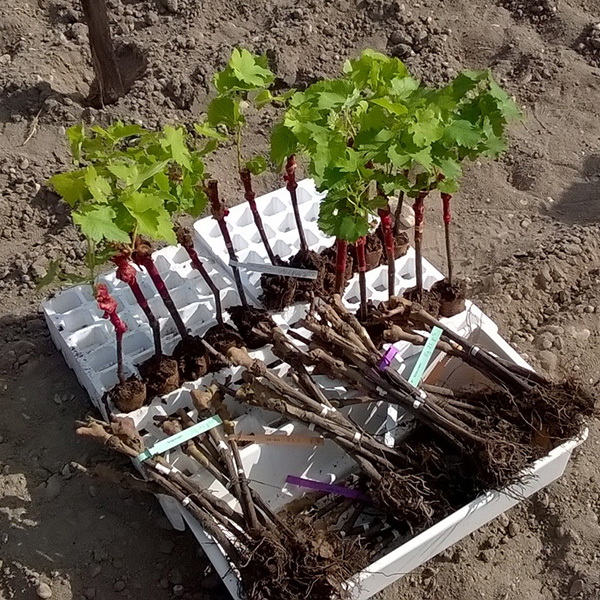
(87, 340)
(277, 215)
(268, 466)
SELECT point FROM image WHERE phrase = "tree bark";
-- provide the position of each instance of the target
(108, 77)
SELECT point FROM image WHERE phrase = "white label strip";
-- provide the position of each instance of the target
(275, 270)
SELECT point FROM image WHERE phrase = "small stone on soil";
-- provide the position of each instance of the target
(577, 587)
(119, 586)
(43, 590)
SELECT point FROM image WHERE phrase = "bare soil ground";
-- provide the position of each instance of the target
(526, 234)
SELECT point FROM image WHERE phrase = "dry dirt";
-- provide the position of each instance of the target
(526, 237)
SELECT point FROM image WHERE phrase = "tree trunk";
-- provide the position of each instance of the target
(108, 83)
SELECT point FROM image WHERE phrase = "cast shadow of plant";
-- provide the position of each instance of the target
(580, 203)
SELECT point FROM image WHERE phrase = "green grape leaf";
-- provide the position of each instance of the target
(250, 69)
(257, 165)
(226, 111)
(393, 107)
(283, 144)
(426, 128)
(263, 98)
(449, 167)
(206, 131)
(71, 187)
(463, 133)
(76, 135)
(175, 141)
(97, 223)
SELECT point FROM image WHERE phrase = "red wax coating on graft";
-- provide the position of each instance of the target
(126, 272)
(386, 226)
(341, 255)
(360, 254)
(446, 198)
(109, 305)
(290, 173)
(419, 208)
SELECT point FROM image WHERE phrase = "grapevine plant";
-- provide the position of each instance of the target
(376, 131)
(127, 185)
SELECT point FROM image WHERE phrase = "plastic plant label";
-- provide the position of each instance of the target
(275, 270)
(425, 357)
(285, 440)
(328, 488)
(179, 438)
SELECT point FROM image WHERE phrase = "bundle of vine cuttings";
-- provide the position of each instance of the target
(460, 444)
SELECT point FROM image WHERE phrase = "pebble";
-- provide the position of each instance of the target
(89, 593)
(526, 223)
(581, 335)
(175, 577)
(178, 590)
(43, 590)
(548, 361)
(577, 587)
(119, 586)
(53, 488)
(167, 546)
(503, 520)
(513, 529)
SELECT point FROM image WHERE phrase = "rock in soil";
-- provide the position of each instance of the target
(254, 325)
(43, 590)
(161, 375)
(128, 396)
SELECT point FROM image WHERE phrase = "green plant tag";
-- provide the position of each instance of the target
(179, 438)
(425, 357)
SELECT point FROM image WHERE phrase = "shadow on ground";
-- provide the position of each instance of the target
(580, 204)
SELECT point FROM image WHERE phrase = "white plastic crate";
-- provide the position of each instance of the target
(267, 468)
(277, 215)
(87, 340)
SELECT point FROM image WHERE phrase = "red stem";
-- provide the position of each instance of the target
(388, 243)
(109, 305)
(446, 198)
(340, 265)
(219, 213)
(127, 274)
(145, 260)
(186, 240)
(362, 276)
(250, 196)
(419, 208)
(291, 185)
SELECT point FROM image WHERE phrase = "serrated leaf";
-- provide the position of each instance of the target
(76, 135)
(257, 165)
(426, 128)
(463, 133)
(448, 186)
(97, 223)
(71, 187)
(393, 107)
(204, 130)
(224, 110)
(283, 144)
(175, 141)
(449, 167)
(400, 160)
(125, 172)
(149, 173)
(263, 98)
(250, 69)
(120, 131)
(98, 186)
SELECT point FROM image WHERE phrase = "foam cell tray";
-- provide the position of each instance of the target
(268, 466)
(87, 340)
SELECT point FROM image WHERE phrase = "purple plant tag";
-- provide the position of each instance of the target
(328, 488)
(388, 357)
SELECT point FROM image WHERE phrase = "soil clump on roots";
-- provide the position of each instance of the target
(254, 325)
(451, 297)
(128, 396)
(161, 375)
(192, 358)
(222, 338)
